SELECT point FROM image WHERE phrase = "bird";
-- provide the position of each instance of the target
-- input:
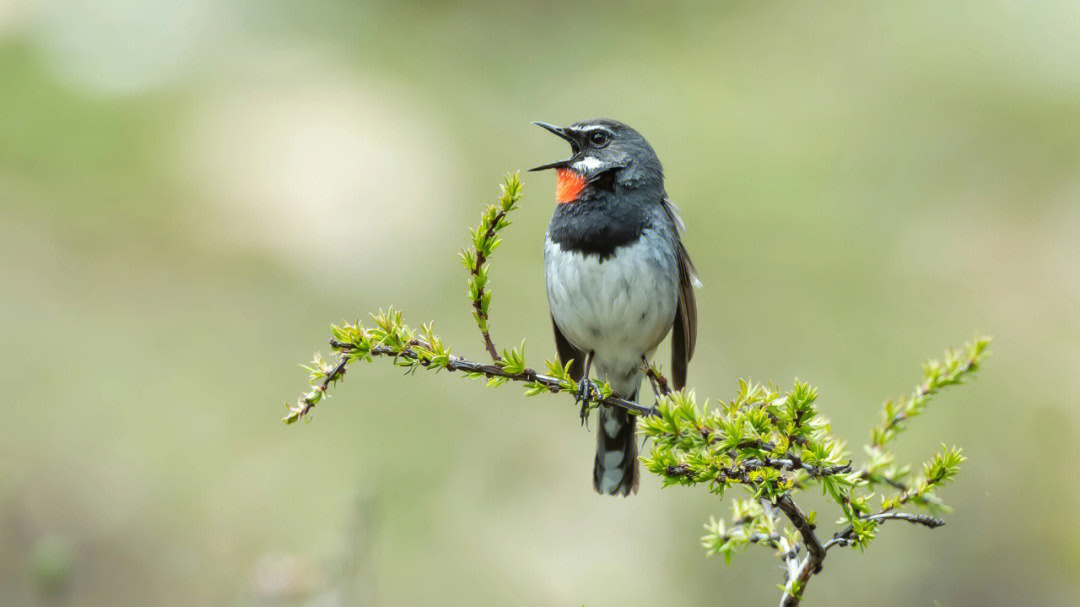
(618, 278)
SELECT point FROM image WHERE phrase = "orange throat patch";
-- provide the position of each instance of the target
(568, 186)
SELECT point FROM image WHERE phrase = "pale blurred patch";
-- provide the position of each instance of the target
(279, 576)
(122, 47)
(324, 162)
(14, 15)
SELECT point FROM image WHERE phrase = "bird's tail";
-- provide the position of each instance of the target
(615, 471)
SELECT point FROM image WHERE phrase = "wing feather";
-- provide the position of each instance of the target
(567, 351)
(684, 330)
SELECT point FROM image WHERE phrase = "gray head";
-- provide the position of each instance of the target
(607, 149)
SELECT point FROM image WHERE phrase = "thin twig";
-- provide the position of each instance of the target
(815, 552)
(742, 468)
(865, 474)
(927, 388)
(788, 553)
(477, 302)
(334, 375)
(657, 379)
(794, 464)
(459, 363)
(845, 537)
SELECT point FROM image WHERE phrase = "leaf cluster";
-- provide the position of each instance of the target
(773, 445)
(485, 239)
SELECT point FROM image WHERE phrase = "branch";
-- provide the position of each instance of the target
(418, 351)
(937, 375)
(656, 378)
(480, 298)
(788, 550)
(843, 538)
(485, 241)
(792, 464)
(742, 469)
(771, 444)
(331, 375)
(815, 551)
(459, 363)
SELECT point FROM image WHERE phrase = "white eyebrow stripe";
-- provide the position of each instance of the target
(592, 127)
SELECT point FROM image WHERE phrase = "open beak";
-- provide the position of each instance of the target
(562, 133)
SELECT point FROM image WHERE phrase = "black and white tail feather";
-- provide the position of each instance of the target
(615, 469)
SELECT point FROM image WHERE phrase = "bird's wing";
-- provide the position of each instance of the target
(684, 330)
(567, 351)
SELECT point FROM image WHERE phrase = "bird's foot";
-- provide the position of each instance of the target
(586, 392)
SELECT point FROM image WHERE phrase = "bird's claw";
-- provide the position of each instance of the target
(586, 392)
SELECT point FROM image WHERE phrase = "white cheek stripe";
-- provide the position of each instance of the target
(587, 164)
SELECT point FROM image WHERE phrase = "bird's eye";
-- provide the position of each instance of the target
(599, 138)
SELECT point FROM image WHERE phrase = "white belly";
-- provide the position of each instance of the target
(620, 308)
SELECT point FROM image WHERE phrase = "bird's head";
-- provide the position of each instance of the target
(603, 153)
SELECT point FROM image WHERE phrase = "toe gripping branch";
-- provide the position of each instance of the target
(586, 392)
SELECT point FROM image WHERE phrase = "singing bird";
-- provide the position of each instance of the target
(618, 279)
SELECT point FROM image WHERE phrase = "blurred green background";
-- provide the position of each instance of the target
(190, 193)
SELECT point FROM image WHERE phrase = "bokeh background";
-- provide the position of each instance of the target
(191, 192)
